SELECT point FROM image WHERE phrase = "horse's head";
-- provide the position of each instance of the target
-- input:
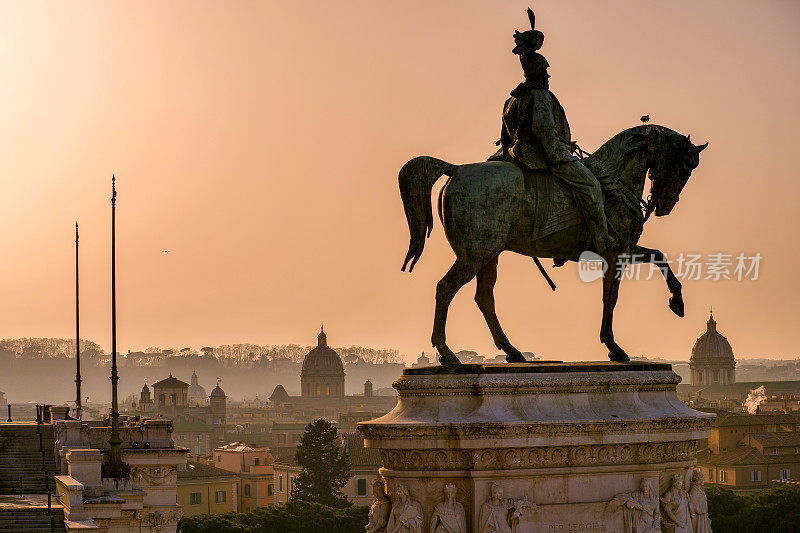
(674, 159)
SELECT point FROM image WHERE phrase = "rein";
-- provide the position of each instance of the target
(641, 208)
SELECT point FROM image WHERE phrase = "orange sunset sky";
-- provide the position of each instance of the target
(260, 142)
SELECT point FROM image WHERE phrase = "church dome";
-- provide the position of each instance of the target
(322, 359)
(196, 392)
(711, 346)
(218, 392)
(146, 389)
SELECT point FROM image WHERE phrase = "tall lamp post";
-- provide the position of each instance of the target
(116, 468)
(78, 406)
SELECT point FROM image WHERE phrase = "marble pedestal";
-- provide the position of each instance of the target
(560, 440)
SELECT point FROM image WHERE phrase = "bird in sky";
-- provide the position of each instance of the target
(645, 119)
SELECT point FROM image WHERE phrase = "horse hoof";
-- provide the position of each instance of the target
(619, 357)
(515, 357)
(676, 305)
(448, 358)
(449, 361)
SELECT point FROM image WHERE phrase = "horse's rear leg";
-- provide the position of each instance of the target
(459, 275)
(484, 297)
(611, 281)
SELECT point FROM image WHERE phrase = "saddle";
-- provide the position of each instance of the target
(562, 209)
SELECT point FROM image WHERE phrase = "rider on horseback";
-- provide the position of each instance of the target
(535, 135)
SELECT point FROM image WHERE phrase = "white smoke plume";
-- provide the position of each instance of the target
(754, 399)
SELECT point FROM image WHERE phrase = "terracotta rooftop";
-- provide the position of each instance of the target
(195, 470)
(354, 444)
(739, 419)
(286, 460)
(779, 438)
(359, 455)
(744, 455)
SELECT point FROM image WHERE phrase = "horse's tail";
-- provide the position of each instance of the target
(416, 183)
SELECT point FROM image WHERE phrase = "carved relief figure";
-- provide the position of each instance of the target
(698, 504)
(406, 515)
(379, 512)
(449, 516)
(675, 505)
(640, 513)
(500, 515)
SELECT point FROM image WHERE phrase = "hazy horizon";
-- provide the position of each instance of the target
(260, 143)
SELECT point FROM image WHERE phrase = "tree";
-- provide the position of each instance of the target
(325, 466)
(774, 510)
(293, 517)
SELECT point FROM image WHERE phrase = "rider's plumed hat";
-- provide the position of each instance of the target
(528, 41)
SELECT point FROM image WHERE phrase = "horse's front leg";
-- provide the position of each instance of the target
(651, 255)
(611, 280)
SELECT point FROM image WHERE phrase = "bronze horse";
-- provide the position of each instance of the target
(486, 208)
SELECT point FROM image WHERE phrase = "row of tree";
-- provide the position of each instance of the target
(228, 355)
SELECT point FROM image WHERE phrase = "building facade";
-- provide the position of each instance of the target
(254, 467)
(749, 452)
(712, 360)
(204, 489)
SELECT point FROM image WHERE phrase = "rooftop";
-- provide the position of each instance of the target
(739, 419)
(780, 438)
(744, 455)
(195, 470)
(170, 382)
(241, 447)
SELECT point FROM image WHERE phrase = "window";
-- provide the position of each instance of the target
(710, 475)
(318, 390)
(291, 483)
(220, 496)
(258, 460)
(327, 390)
(361, 487)
(270, 489)
(723, 477)
(785, 474)
(280, 483)
(755, 475)
(247, 489)
(775, 451)
(195, 498)
(219, 458)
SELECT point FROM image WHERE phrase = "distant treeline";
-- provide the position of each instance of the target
(228, 355)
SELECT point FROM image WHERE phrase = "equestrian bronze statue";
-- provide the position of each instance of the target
(537, 198)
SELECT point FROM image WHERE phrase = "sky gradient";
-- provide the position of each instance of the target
(260, 142)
